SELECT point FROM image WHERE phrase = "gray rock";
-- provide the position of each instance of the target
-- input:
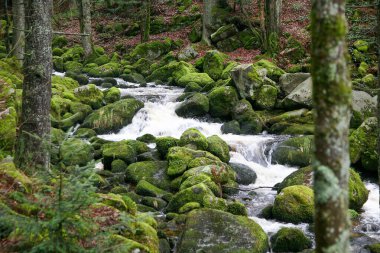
(363, 106)
(244, 174)
(242, 77)
(288, 82)
(187, 53)
(300, 97)
(223, 33)
(196, 105)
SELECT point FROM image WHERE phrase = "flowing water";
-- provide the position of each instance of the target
(158, 117)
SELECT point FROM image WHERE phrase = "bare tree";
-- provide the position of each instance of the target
(84, 7)
(332, 100)
(32, 147)
(18, 10)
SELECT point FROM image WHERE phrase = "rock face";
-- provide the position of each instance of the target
(288, 82)
(215, 231)
(300, 97)
(114, 116)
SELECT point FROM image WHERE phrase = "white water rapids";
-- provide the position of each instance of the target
(158, 117)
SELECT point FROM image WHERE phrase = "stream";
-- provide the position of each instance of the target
(158, 118)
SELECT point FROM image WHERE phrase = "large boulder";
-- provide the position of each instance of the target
(358, 193)
(151, 50)
(290, 240)
(202, 79)
(153, 172)
(163, 144)
(249, 120)
(215, 231)
(247, 79)
(266, 97)
(76, 152)
(294, 204)
(193, 136)
(363, 106)
(295, 151)
(118, 150)
(363, 144)
(194, 106)
(171, 71)
(224, 32)
(288, 82)
(114, 116)
(218, 147)
(244, 174)
(90, 95)
(300, 97)
(213, 64)
(222, 101)
(273, 72)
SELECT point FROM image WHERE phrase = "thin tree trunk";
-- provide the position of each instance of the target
(18, 29)
(209, 6)
(378, 86)
(84, 7)
(32, 148)
(7, 19)
(272, 9)
(332, 100)
(146, 21)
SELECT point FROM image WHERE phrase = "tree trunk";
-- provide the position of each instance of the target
(332, 101)
(209, 6)
(33, 143)
(18, 29)
(146, 21)
(8, 23)
(84, 7)
(272, 9)
(378, 86)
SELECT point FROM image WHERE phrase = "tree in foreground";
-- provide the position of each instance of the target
(32, 147)
(332, 100)
(378, 86)
(84, 7)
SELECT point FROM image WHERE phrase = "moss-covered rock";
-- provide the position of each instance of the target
(295, 151)
(123, 244)
(374, 248)
(361, 45)
(230, 44)
(219, 173)
(273, 72)
(114, 116)
(195, 193)
(222, 101)
(189, 207)
(244, 174)
(163, 145)
(10, 175)
(90, 95)
(202, 79)
(150, 171)
(194, 106)
(180, 157)
(294, 204)
(76, 152)
(204, 178)
(121, 202)
(249, 121)
(80, 78)
(173, 70)
(226, 73)
(145, 188)
(134, 78)
(73, 66)
(118, 150)
(151, 50)
(111, 69)
(232, 127)
(112, 95)
(194, 137)
(217, 146)
(290, 240)
(59, 41)
(118, 166)
(223, 33)
(75, 53)
(213, 64)
(8, 126)
(266, 97)
(215, 231)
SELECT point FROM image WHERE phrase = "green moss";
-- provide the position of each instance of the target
(189, 207)
(369, 80)
(64, 83)
(374, 248)
(75, 53)
(230, 44)
(112, 95)
(202, 79)
(90, 95)
(358, 194)
(76, 152)
(122, 244)
(173, 70)
(290, 240)
(226, 72)
(151, 171)
(266, 97)
(204, 178)
(145, 188)
(117, 150)
(274, 72)
(59, 41)
(118, 165)
(220, 174)
(163, 145)
(9, 173)
(123, 203)
(295, 151)
(361, 45)
(195, 193)
(213, 64)
(250, 40)
(363, 68)
(194, 137)
(219, 148)
(222, 101)
(237, 208)
(8, 126)
(151, 50)
(294, 204)
(73, 66)
(114, 116)
(195, 105)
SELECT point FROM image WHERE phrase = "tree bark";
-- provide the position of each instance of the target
(33, 143)
(84, 7)
(146, 21)
(332, 101)
(378, 87)
(18, 29)
(209, 6)
(272, 10)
